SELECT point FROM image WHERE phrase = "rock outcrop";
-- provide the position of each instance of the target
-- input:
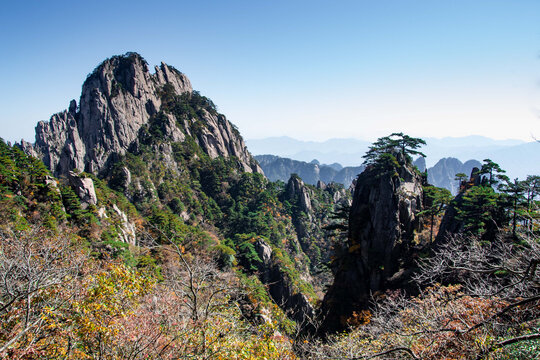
(280, 287)
(118, 98)
(297, 192)
(127, 229)
(84, 188)
(450, 223)
(382, 225)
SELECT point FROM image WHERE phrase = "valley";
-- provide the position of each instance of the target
(139, 225)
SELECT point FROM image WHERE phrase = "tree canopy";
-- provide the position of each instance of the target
(394, 143)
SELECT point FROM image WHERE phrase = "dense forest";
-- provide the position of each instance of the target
(140, 227)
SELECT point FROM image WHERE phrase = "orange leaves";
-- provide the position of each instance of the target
(363, 317)
(440, 323)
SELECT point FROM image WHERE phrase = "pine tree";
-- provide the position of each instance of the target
(437, 200)
(395, 142)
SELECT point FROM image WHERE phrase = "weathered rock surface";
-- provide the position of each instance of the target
(450, 223)
(294, 303)
(443, 173)
(84, 188)
(127, 232)
(382, 224)
(117, 99)
(297, 191)
(219, 138)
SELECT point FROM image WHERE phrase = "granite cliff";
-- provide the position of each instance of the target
(118, 99)
(379, 251)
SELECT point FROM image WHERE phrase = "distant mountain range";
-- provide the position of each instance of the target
(443, 173)
(278, 168)
(518, 158)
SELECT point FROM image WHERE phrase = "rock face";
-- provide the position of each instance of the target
(219, 138)
(117, 99)
(296, 190)
(420, 163)
(294, 303)
(382, 224)
(450, 223)
(84, 188)
(127, 229)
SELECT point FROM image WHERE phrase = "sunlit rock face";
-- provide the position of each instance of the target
(118, 98)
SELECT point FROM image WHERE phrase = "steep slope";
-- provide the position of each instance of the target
(311, 209)
(69, 263)
(188, 178)
(378, 254)
(118, 98)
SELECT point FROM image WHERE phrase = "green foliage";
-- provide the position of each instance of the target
(493, 171)
(387, 164)
(497, 202)
(258, 295)
(24, 191)
(155, 131)
(394, 143)
(72, 203)
(118, 249)
(480, 210)
(435, 202)
(167, 227)
(225, 256)
(186, 106)
(246, 253)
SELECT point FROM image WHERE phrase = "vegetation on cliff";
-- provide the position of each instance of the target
(173, 244)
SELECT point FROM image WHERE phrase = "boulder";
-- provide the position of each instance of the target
(84, 188)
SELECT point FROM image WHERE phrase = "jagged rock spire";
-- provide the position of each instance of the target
(382, 224)
(117, 99)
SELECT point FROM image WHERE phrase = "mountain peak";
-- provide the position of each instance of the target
(118, 99)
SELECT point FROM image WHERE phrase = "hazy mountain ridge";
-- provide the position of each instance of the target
(517, 157)
(278, 168)
(442, 174)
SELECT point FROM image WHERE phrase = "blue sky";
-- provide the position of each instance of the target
(312, 70)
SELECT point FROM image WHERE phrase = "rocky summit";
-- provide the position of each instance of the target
(118, 98)
(382, 224)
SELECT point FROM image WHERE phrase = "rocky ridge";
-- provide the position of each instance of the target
(294, 303)
(118, 98)
(443, 173)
